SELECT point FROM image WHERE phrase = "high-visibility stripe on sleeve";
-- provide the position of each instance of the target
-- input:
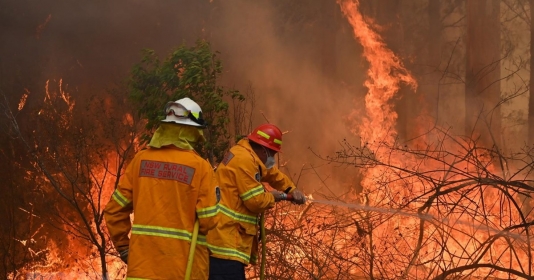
(238, 216)
(229, 252)
(208, 211)
(120, 199)
(201, 239)
(252, 193)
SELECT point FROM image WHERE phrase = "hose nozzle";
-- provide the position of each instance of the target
(289, 197)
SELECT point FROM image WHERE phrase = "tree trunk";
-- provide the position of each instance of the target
(531, 97)
(103, 264)
(482, 88)
(327, 39)
(427, 51)
(430, 88)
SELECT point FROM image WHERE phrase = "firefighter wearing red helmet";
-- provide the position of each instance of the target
(234, 242)
(168, 187)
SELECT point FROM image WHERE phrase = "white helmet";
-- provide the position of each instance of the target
(184, 111)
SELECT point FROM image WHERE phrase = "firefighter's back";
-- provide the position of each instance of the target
(164, 202)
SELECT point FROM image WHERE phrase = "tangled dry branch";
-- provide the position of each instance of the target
(447, 209)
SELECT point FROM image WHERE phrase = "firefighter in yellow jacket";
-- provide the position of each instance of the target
(233, 241)
(167, 187)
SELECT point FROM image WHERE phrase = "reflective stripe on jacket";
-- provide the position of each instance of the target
(242, 198)
(167, 189)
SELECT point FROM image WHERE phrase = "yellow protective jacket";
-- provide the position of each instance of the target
(243, 198)
(167, 189)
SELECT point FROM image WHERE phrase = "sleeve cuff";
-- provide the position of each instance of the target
(289, 190)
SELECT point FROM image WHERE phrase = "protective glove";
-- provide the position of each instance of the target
(124, 255)
(298, 197)
(278, 196)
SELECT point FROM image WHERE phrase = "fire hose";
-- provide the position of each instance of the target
(288, 197)
(192, 251)
(189, 267)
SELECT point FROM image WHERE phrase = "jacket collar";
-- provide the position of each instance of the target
(245, 144)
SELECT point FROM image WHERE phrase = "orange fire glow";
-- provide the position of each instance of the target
(401, 226)
(422, 212)
(81, 259)
(391, 186)
(385, 75)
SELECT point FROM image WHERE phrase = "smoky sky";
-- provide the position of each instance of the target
(299, 57)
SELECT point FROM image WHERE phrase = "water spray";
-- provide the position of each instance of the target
(426, 217)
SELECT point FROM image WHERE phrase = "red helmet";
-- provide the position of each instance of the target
(267, 135)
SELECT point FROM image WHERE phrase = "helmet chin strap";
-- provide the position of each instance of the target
(198, 120)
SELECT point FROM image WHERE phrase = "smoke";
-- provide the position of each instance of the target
(92, 42)
(306, 73)
(299, 57)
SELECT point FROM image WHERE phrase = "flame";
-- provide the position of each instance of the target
(80, 259)
(386, 74)
(23, 99)
(391, 185)
(324, 228)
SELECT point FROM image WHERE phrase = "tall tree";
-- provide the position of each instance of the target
(328, 27)
(432, 58)
(531, 97)
(483, 58)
